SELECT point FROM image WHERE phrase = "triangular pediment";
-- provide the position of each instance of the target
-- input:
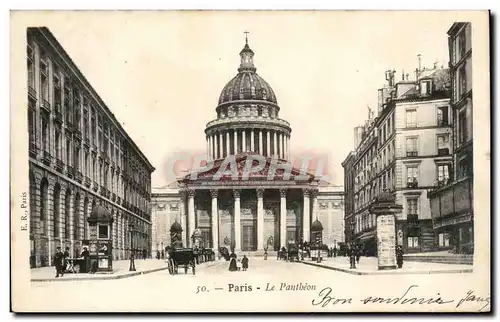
(247, 167)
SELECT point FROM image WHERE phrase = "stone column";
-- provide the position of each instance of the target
(182, 210)
(260, 143)
(215, 220)
(122, 237)
(306, 215)
(260, 219)
(235, 142)
(283, 145)
(209, 152)
(237, 220)
(283, 240)
(221, 145)
(228, 144)
(252, 140)
(192, 218)
(244, 142)
(275, 145)
(288, 147)
(315, 206)
(268, 143)
(278, 144)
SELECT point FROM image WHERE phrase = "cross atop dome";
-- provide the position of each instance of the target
(246, 55)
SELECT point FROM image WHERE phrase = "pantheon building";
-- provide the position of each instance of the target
(252, 212)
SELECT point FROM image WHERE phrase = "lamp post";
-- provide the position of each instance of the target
(352, 254)
(132, 262)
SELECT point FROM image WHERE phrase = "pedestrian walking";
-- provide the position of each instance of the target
(244, 262)
(399, 256)
(59, 262)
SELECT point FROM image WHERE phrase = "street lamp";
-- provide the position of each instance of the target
(352, 254)
(132, 262)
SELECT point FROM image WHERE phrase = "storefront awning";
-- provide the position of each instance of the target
(455, 220)
(367, 235)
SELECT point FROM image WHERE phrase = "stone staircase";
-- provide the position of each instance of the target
(440, 257)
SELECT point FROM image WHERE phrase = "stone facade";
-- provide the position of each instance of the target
(79, 157)
(406, 149)
(452, 202)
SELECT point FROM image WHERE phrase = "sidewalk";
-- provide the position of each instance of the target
(120, 270)
(369, 266)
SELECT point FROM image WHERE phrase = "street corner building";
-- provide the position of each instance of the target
(406, 149)
(254, 211)
(79, 158)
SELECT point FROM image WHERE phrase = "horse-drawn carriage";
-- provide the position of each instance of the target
(183, 257)
(293, 253)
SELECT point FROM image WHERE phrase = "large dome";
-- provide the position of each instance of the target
(247, 85)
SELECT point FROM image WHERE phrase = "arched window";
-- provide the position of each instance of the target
(44, 197)
(67, 206)
(76, 218)
(85, 216)
(57, 206)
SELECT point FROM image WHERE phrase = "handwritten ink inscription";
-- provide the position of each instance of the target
(326, 297)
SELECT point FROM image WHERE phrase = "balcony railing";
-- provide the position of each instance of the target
(78, 176)
(45, 105)
(69, 171)
(78, 133)
(87, 181)
(31, 92)
(412, 153)
(444, 151)
(443, 123)
(95, 187)
(33, 151)
(86, 142)
(412, 184)
(59, 165)
(46, 158)
(113, 196)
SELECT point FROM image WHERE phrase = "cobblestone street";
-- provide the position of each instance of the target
(295, 286)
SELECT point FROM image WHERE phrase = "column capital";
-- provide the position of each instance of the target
(182, 193)
(190, 193)
(260, 193)
(283, 192)
(214, 193)
(306, 192)
(236, 193)
(314, 193)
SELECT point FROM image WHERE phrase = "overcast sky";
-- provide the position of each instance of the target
(161, 73)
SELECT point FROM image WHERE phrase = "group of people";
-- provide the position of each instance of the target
(61, 261)
(235, 264)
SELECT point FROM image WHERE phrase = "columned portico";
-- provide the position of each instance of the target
(260, 219)
(237, 220)
(306, 216)
(283, 237)
(182, 209)
(191, 216)
(215, 220)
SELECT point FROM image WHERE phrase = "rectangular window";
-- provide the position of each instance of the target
(412, 242)
(412, 176)
(411, 118)
(425, 87)
(58, 145)
(443, 144)
(86, 164)
(442, 116)
(463, 168)
(411, 147)
(461, 43)
(45, 133)
(68, 152)
(31, 68)
(31, 125)
(443, 173)
(412, 204)
(462, 82)
(462, 127)
(444, 240)
(103, 231)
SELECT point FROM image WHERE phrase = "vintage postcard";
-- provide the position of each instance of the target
(250, 161)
